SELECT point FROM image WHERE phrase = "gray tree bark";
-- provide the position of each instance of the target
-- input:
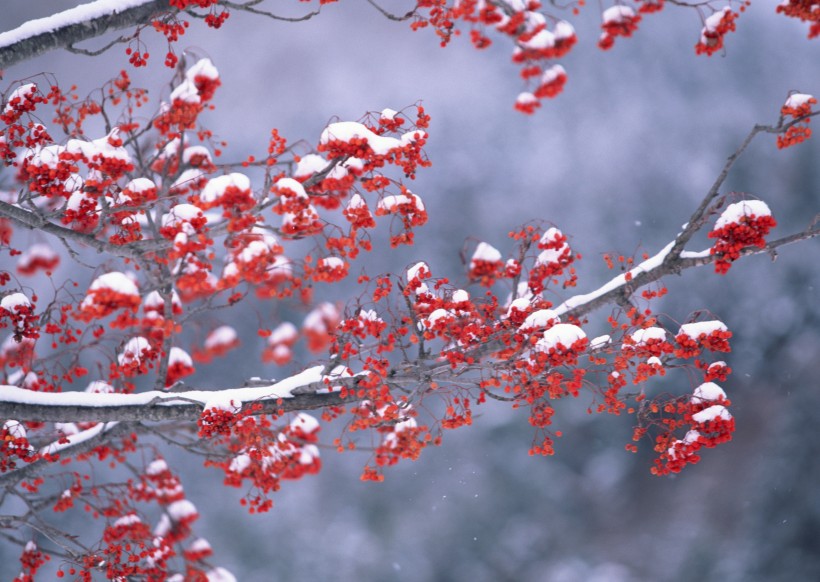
(67, 35)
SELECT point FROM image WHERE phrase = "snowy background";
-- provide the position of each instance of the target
(618, 161)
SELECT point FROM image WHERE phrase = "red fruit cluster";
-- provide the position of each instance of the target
(14, 446)
(731, 239)
(805, 10)
(710, 424)
(20, 314)
(797, 106)
(216, 421)
(617, 21)
(714, 29)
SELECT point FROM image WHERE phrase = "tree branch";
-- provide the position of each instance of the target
(104, 434)
(30, 220)
(69, 27)
(304, 391)
(699, 215)
(248, 7)
(657, 267)
(309, 389)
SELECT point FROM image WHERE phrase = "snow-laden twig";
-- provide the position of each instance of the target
(303, 391)
(699, 216)
(89, 440)
(657, 267)
(77, 24)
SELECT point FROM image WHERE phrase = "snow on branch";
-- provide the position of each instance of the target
(77, 24)
(304, 391)
(654, 268)
(700, 214)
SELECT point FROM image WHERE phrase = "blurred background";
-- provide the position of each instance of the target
(618, 161)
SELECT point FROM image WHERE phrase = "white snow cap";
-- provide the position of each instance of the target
(437, 314)
(215, 188)
(239, 463)
(600, 341)
(356, 201)
(708, 392)
(415, 271)
(460, 296)
(690, 437)
(202, 68)
(21, 92)
(313, 164)
(221, 336)
(641, 336)
(330, 262)
(180, 214)
(156, 467)
(37, 251)
(712, 22)
(734, 212)
(12, 301)
(181, 510)
(525, 98)
(132, 351)
(284, 332)
(154, 300)
(316, 318)
(221, 401)
(194, 151)
(310, 164)
(304, 422)
(116, 281)
(712, 413)
(521, 304)
(292, 185)
(15, 429)
(543, 39)
(551, 255)
(486, 252)
(695, 330)
(538, 319)
(551, 75)
(564, 333)
(563, 29)
(77, 198)
(127, 520)
(796, 100)
(186, 92)
(617, 14)
(199, 545)
(388, 203)
(100, 147)
(347, 130)
(179, 356)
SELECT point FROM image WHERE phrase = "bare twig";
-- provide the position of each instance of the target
(390, 15)
(249, 7)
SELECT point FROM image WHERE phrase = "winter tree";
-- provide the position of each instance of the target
(151, 234)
